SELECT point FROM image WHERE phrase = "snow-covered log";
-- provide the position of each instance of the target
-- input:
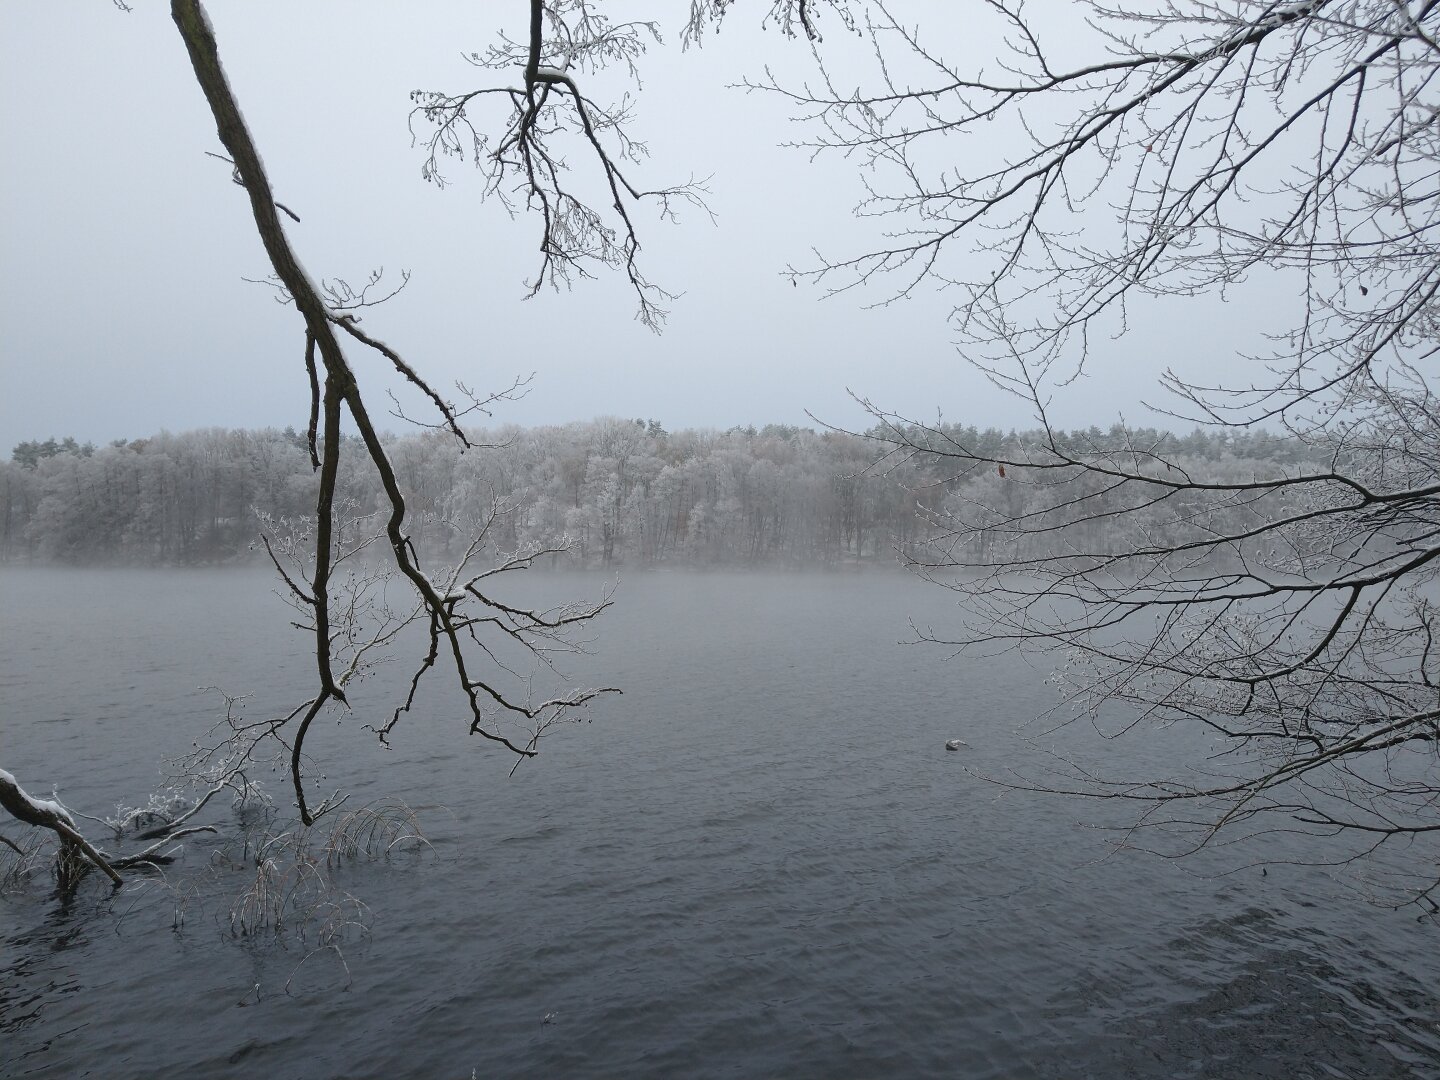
(49, 814)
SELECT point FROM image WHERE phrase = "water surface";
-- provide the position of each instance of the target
(760, 861)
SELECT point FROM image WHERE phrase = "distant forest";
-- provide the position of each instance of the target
(618, 491)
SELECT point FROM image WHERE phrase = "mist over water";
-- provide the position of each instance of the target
(759, 861)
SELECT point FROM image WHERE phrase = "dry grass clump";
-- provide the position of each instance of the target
(38, 853)
(22, 860)
(375, 831)
(291, 887)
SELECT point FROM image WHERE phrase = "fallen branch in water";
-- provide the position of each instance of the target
(49, 814)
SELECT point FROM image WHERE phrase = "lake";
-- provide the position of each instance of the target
(759, 861)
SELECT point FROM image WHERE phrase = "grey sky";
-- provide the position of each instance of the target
(123, 309)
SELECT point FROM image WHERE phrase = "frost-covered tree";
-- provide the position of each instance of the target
(1110, 154)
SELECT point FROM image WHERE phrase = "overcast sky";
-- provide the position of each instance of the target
(123, 308)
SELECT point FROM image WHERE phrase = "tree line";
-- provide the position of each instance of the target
(620, 492)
